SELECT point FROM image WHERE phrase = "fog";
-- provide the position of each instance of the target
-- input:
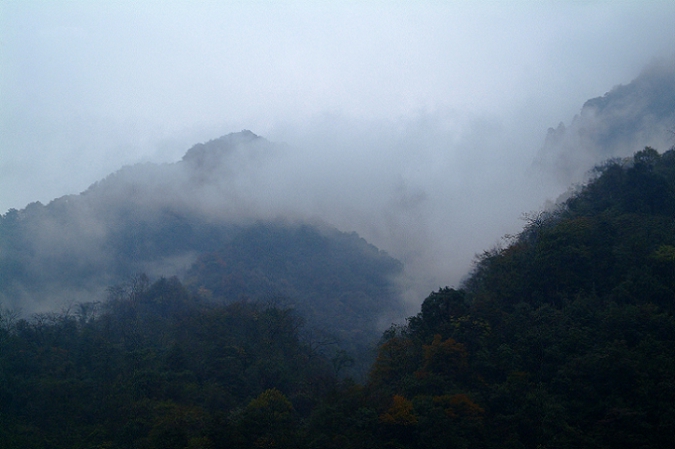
(414, 125)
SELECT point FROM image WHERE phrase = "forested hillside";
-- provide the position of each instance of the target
(343, 286)
(563, 338)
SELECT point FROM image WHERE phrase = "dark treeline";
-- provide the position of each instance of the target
(563, 338)
(156, 368)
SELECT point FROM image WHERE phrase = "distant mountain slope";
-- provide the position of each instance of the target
(160, 219)
(624, 120)
(330, 277)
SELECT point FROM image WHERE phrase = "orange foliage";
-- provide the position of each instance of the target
(400, 413)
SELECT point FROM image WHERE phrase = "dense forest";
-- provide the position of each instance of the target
(563, 337)
(154, 367)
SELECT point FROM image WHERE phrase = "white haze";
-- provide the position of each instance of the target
(414, 125)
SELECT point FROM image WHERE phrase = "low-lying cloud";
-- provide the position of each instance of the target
(415, 126)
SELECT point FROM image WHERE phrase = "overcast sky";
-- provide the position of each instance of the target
(429, 100)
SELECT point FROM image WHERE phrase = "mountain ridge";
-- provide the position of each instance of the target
(160, 219)
(617, 124)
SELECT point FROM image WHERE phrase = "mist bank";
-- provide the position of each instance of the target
(431, 192)
(354, 181)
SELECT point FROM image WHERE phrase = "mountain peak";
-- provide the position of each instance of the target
(205, 154)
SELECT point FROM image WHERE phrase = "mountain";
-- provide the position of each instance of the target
(625, 119)
(188, 219)
(563, 338)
